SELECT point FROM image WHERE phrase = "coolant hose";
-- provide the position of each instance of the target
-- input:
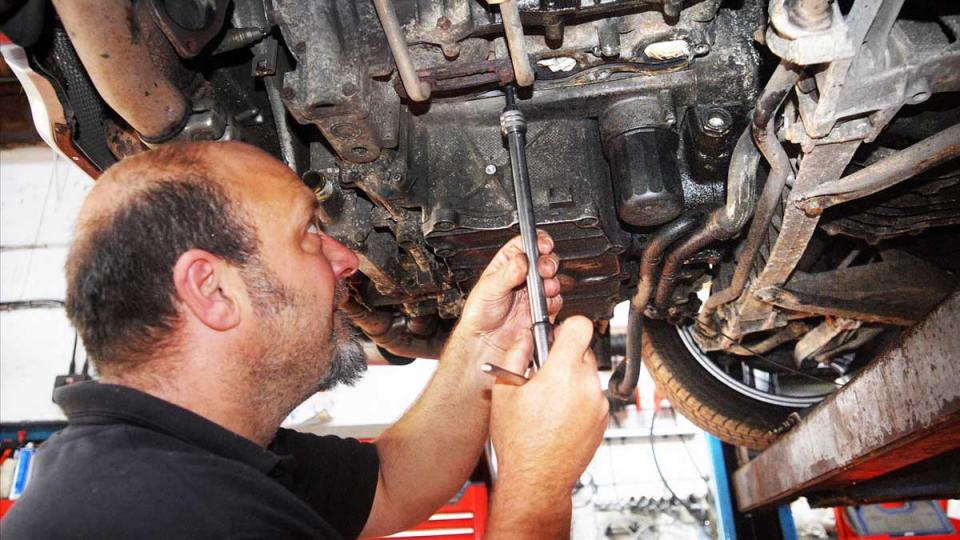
(625, 376)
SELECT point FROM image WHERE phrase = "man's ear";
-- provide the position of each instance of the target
(203, 284)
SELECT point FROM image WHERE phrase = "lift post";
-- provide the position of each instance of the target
(899, 411)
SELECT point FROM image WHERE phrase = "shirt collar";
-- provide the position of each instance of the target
(90, 403)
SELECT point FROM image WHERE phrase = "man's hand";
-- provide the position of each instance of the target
(545, 433)
(442, 435)
(497, 310)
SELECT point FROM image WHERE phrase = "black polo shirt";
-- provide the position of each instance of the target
(130, 465)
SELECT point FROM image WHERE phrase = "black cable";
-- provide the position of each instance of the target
(31, 304)
(656, 463)
(73, 357)
(686, 448)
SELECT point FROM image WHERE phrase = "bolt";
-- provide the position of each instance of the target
(288, 93)
(587, 222)
(717, 122)
(490, 169)
(811, 207)
(445, 219)
(701, 49)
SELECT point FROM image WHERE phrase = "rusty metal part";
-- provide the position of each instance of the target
(780, 170)
(462, 76)
(416, 89)
(117, 43)
(811, 14)
(750, 313)
(122, 139)
(238, 38)
(907, 209)
(726, 221)
(393, 333)
(513, 29)
(845, 89)
(899, 290)
(351, 135)
(896, 64)
(808, 32)
(624, 379)
(789, 333)
(826, 335)
(885, 173)
(905, 423)
(189, 36)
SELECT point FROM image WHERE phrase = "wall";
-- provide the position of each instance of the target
(40, 195)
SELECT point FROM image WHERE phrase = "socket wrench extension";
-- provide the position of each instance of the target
(513, 125)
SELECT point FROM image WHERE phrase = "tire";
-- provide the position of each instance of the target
(695, 393)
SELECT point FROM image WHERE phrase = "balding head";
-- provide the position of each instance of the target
(140, 217)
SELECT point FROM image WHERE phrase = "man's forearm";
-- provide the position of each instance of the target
(525, 508)
(428, 454)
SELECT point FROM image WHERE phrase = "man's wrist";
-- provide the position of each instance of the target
(468, 342)
(528, 508)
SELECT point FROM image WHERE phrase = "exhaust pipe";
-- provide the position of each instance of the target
(130, 62)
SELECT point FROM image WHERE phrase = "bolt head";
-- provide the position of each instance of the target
(717, 121)
(490, 169)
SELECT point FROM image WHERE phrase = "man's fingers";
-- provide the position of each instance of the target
(589, 358)
(554, 303)
(508, 269)
(500, 279)
(548, 265)
(570, 340)
(518, 356)
(544, 242)
(551, 287)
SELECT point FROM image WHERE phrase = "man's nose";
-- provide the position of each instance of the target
(343, 261)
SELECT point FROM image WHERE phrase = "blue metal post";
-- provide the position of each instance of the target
(725, 526)
(787, 526)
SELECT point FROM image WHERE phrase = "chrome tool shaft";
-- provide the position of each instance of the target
(514, 128)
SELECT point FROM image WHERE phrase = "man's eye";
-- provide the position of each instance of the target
(313, 229)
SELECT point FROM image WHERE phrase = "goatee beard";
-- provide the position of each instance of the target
(348, 360)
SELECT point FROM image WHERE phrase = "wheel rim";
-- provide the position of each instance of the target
(718, 373)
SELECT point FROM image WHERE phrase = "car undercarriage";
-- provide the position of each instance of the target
(774, 187)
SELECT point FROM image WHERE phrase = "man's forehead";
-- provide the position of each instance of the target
(243, 171)
(261, 178)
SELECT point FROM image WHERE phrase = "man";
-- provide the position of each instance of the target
(206, 294)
